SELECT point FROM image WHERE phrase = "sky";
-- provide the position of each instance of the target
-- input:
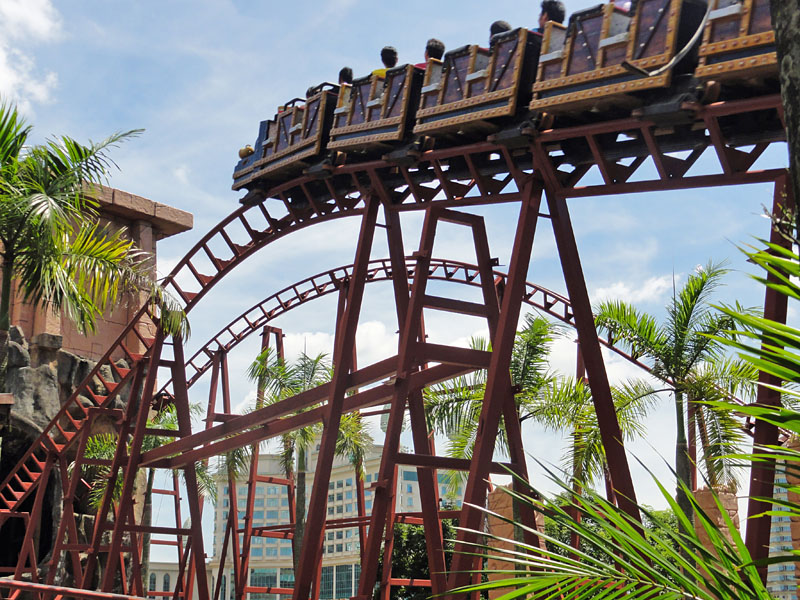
(199, 76)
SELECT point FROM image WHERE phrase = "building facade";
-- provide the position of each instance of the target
(782, 577)
(271, 559)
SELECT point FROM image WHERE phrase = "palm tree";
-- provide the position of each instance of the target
(280, 381)
(453, 407)
(51, 242)
(352, 442)
(566, 406)
(690, 363)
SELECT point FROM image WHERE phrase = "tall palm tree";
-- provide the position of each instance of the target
(281, 380)
(688, 360)
(51, 242)
(352, 443)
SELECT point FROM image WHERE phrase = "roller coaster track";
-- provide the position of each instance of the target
(331, 281)
(487, 172)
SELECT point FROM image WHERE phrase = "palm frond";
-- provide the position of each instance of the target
(637, 331)
(625, 561)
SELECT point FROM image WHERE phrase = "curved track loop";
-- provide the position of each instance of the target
(328, 282)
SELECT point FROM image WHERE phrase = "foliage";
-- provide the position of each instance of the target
(52, 243)
(567, 405)
(410, 558)
(620, 559)
(687, 358)
(453, 407)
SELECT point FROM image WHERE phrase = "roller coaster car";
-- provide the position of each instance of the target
(738, 42)
(289, 142)
(581, 66)
(474, 84)
(374, 110)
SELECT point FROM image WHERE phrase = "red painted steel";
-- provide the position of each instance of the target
(558, 161)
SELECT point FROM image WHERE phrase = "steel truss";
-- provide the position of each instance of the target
(517, 168)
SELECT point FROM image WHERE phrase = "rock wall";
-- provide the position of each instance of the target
(501, 503)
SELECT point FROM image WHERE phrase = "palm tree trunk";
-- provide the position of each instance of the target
(300, 505)
(5, 292)
(147, 520)
(682, 463)
(5, 314)
(361, 504)
(711, 472)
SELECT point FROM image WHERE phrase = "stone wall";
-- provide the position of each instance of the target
(501, 502)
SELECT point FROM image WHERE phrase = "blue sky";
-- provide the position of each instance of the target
(200, 75)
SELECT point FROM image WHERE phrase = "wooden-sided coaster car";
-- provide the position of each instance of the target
(375, 110)
(738, 41)
(287, 143)
(581, 66)
(473, 84)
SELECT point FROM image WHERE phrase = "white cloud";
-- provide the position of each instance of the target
(26, 22)
(25, 19)
(650, 290)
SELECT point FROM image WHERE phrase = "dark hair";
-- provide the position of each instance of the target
(555, 10)
(346, 75)
(435, 48)
(499, 27)
(389, 56)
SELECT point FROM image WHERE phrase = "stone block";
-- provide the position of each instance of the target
(48, 341)
(134, 204)
(16, 335)
(36, 392)
(18, 356)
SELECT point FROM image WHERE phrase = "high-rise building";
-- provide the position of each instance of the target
(781, 577)
(271, 558)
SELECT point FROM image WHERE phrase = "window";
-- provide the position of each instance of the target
(348, 495)
(256, 552)
(241, 491)
(348, 533)
(286, 551)
(241, 503)
(165, 584)
(287, 578)
(348, 547)
(339, 547)
(270, 551)
(349, 482)
(224, 514)
(272, 502)
(348, 508)
(330, 548)
(330, 510)
(339, 484)
(258, 514)
(221, 592)
(284, 515)
(410, 476)
(272, 515)
(369, 477)
(369, 504)
(326, 584)
(410, 501)
(339, 534)
(339, 509)
(225, 490)
(259, 503)
(331, 497)
(260, 489)
(225, 503)
(330, 487)
(409, 488)
(152, 585)
(273, 490)
(344, 581)
(284, 502)
(339, 497)
(263, 578)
